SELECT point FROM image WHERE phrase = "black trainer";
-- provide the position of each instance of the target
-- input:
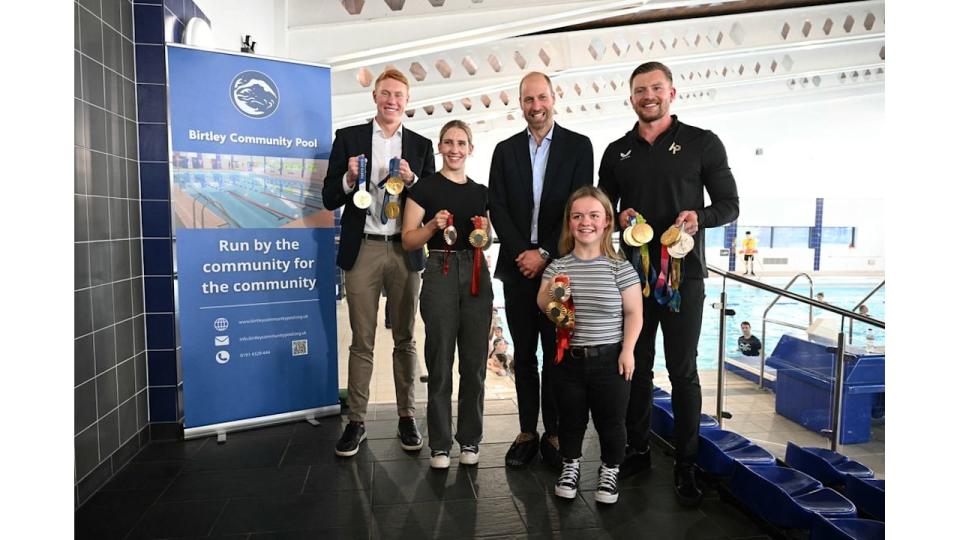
(635, 461)
(410, 438)
(685, 485)
(349, 443)
(607, 491)
(550, 453)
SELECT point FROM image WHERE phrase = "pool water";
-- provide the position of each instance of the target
(750, 303)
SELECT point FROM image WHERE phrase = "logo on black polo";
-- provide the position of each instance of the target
(254, 94)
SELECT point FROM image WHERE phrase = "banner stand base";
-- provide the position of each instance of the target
(221, 430)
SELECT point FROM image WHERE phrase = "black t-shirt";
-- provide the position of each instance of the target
(749, 347)
(436, 192)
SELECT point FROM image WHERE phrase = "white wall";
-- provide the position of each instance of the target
(263, 20)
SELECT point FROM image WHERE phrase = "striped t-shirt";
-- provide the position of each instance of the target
(595, 287)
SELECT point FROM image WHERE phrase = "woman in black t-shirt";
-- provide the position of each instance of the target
(456, 298)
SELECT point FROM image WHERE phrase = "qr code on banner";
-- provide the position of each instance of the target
(299, 347)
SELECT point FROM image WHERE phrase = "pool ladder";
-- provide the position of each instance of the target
(834, 431)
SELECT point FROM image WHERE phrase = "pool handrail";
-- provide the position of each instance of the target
(856, 307)
(763, 325)
(834, 432)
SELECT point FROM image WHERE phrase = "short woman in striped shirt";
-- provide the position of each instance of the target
(593, 376)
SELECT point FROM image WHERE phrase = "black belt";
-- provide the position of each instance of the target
(383, 237)
(591, 351)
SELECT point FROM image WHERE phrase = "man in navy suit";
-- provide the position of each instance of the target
(531, 176)
(371, 255)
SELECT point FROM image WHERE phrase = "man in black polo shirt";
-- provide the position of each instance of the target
(660, 169)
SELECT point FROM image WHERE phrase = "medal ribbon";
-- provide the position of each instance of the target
(477, 255)
(446, 247)
(564, 334)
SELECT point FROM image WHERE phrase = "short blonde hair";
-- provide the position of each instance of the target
(391, 73)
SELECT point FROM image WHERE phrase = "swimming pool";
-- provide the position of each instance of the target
(750, 303)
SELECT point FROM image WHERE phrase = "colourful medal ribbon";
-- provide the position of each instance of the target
(662, 290)
(477, 256)
(674, 302)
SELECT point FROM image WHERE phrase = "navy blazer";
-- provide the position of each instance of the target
(569, 167)
(353, 141)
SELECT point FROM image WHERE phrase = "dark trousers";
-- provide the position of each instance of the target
(454, 318)
(592, 385)
(681, 332)
(528, 324)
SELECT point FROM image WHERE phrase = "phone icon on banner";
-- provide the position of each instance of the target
(222, 357)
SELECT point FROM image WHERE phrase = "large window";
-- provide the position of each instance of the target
(843, 236)
(791, 237)
(714, 237)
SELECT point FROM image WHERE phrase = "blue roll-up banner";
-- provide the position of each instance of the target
(249, 143)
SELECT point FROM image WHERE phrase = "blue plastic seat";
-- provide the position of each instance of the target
(825, 465)
(868, 494)
(660, 393)
(661, 421)
(787, 497)
(847, 529)
(719, 450)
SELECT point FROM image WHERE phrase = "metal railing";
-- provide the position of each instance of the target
(836, 403)
(763, 324)
(857, 307)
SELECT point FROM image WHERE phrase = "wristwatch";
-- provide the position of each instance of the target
(544, 253)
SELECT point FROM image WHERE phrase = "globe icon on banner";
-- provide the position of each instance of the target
(221, 324)
(254, 94)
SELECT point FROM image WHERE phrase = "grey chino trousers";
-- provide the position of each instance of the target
(455, 319)
(381, 265)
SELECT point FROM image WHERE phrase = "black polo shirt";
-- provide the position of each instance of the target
(669, 176)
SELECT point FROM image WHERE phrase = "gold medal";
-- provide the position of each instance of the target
(394, 185)
(478, 238)
(561, 292)
(362, 199)
(392, 209)
(670, 236)
(557, 313)
(641, 233)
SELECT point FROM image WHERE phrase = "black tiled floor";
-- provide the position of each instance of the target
(284, 482)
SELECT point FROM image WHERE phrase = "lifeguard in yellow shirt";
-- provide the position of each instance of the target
(749, 250)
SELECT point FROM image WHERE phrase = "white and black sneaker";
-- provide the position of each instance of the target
(469, 454)
(607, 492)
(439, 459)
(349, 444)
(569, 479)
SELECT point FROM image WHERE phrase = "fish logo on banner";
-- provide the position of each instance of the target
(254, 94)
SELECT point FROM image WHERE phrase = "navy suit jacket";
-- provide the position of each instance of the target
(353, 141)
(569, 166)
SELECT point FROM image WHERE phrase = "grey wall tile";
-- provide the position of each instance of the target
(84, 367)
(113, 91)
(99, 263)
(126, 380)
(99, 216)
(81, 170)
(82, 319)
(102, 306)
(81, 227)
(117, 176)
(84, 406)
(99, 174)
(91, 37)
(86, 451)
(105, 347)
(92, 81)
(124, 334)
(112, 49)
(106, 392)
(109, 433)
(81, 265)
(128, 420)
(120, 265)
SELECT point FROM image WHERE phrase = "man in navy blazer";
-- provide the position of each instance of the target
(371, 255)
(531, 176)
